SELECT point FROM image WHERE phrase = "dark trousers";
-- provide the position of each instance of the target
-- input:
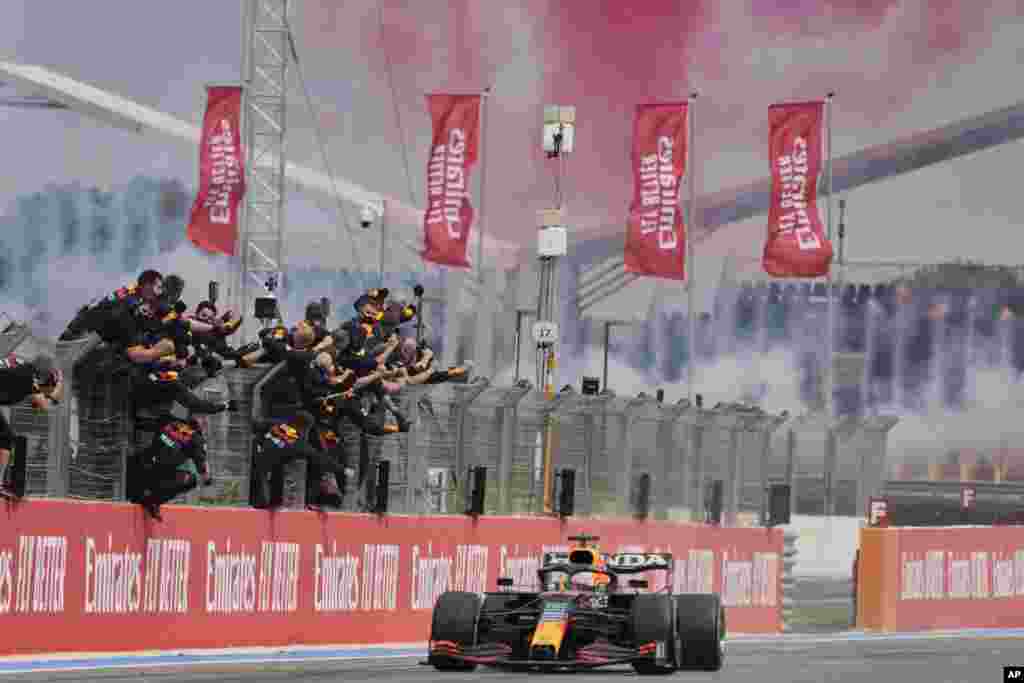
(270, 456)
(155, 483)
(149, 394)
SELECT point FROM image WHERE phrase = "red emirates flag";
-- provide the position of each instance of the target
(214, 222)
(655, 234)
(453, 151)
(797, 245)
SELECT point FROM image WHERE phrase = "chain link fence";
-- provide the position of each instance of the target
(629, 456)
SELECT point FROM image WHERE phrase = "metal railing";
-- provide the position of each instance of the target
(624, 451)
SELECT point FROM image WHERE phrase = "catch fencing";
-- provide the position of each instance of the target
(631, 456)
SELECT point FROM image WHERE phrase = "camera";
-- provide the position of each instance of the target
(366, 217)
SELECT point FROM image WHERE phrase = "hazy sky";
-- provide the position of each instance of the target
(898, 67)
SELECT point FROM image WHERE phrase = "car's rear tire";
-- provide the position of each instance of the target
(455, 620)
(654, 620)
(700, 622)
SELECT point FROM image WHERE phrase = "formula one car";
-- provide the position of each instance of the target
(588, 614)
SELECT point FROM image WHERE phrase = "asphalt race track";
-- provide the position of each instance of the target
(811, 659)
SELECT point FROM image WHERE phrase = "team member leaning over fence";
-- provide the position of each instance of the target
(323, 386)
(173, 463)
(354, 413)
(271, 341)
(316, 318)
(284, 442)
(39, 380)
(414, 360)
(212, 348)
(162, 379)
(296, 350)
(366, 407)
(113, 317)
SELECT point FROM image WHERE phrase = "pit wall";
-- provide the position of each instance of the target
(101, 577)
(938, 578)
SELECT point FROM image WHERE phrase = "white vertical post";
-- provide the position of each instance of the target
(383, 238)
(831, 446)
(483, 338)
(691, 314)
(830, 333)
(481, 222)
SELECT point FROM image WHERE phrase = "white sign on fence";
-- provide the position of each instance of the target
(545, 332)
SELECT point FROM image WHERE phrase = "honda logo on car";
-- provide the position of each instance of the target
(630, 560)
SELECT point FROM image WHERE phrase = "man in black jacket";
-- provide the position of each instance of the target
(211, 348)
(171, 465)
(39, 380)
(112, 318)
(161, 379)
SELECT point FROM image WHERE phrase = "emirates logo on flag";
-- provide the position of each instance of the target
(655, 234)
(213, 225)
(797, 245)
(453, 151)
(446, 184)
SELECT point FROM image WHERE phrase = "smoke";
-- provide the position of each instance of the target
(605, 56)
(67, 245)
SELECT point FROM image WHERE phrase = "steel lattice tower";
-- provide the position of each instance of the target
(266, 57)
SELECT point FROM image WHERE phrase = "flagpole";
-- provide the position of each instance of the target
(483, 184)
(691, 315)
(830, 333)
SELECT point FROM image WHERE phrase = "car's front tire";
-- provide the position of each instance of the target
(455, 620)
(700, 622)
(654, 621)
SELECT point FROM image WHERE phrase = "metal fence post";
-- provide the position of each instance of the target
(415, 473)
(683, 422)
(417, 452)
(791, 468)
(766, 454)
(830, 470)
(509, 429)
(768, 429)
(672, 491)
(625, 487)
(873, 460)
(60, 427)
(466, 396)
(697, 431)
(732, 488)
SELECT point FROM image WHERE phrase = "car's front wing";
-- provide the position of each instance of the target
(499, 655)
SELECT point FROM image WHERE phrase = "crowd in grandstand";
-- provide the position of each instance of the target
(917, 342)
(347, 379)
